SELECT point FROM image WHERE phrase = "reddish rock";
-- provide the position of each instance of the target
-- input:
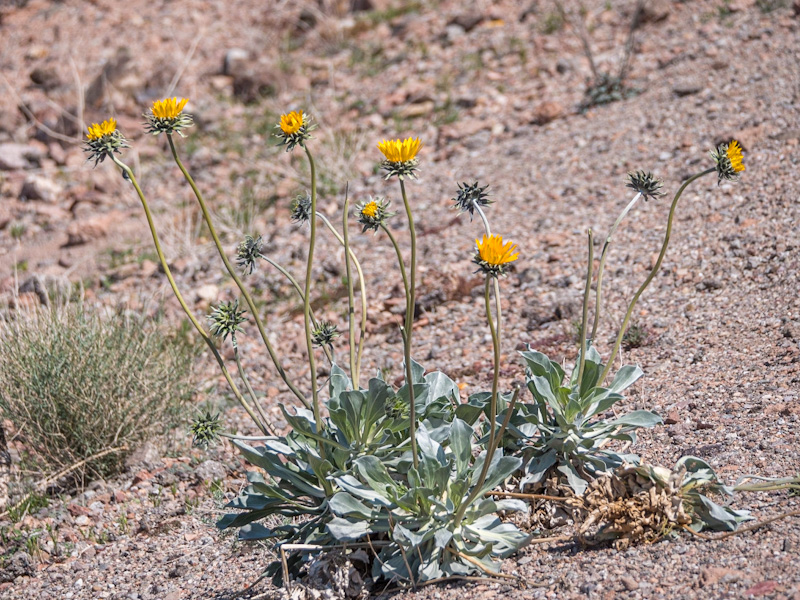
(546, 112)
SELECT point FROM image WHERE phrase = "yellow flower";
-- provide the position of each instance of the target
(292, 122)
(397, 151)
(168, 108)
(370, 209)
(734, 153)
(97, 131)
(493, 252)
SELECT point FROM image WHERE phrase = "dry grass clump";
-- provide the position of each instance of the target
(76, 385)
(625, 507)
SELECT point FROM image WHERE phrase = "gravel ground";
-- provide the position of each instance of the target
(494, 97)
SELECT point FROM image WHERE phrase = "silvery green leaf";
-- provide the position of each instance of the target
(512, 505)
(442, 537)
(343, 504)
(461, 444)
(344, 530)
(255, 531)
(599, 401)
(417, 371)
(637, 418)
(539, 466)
(338, 382)
(540, 365)
(717, 517)
(574, 480)
(352, 485)
(499, 471)
(430, 570)
(472, 409)
(374, 472)
(441, 386)
(591, 370)
(430, 448)
(625, 378)
(504, 537)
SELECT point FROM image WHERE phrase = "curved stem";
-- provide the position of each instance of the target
(410, 308)
(249, 388)
(484, 219)
(299, 291)
(361, 284)
(206, 338)
(652, 274)
(491, 445)
(232, 272)
(312, 363)
(585, 319)
(399, 260)
(602, 266)
(350, 302)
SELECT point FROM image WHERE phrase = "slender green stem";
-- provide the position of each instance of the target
(410, 308)
(652, 274)
(484, 219)
(249, 388)
(162, 259)
(361, 284)
(299, 291)
(585, 320)
(491, 445)
(602, 266)
(312, 363)
(351, 309)
(399, 261)
(232, 272)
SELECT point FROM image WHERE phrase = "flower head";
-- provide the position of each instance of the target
(374, 213)
(167, 116)
(103, 139)
(226, 319)
(301, 208)
(205, 430)
(324, 334)
(470, 196)
(248, 253)
(493, 256)
(728, 159)
(645, 184)
(400, 157)
(294, 129)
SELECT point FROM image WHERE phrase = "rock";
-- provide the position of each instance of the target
(47, 287)
(687, 87)
(630, 583)
(20, 565)
(253, 85)
(306, 21)
(19, 156)
(113, 71)
(713, 575)
(467, 22)
(147, 455)
(210, 470)
(83, 232)
(547, 111)
(654, 11)
(37, 187)
(235, 62)
(418, 109)
(208, 293)
(46, 77)
(762, 588)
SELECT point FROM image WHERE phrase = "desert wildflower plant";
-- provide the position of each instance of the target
(411, 472)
